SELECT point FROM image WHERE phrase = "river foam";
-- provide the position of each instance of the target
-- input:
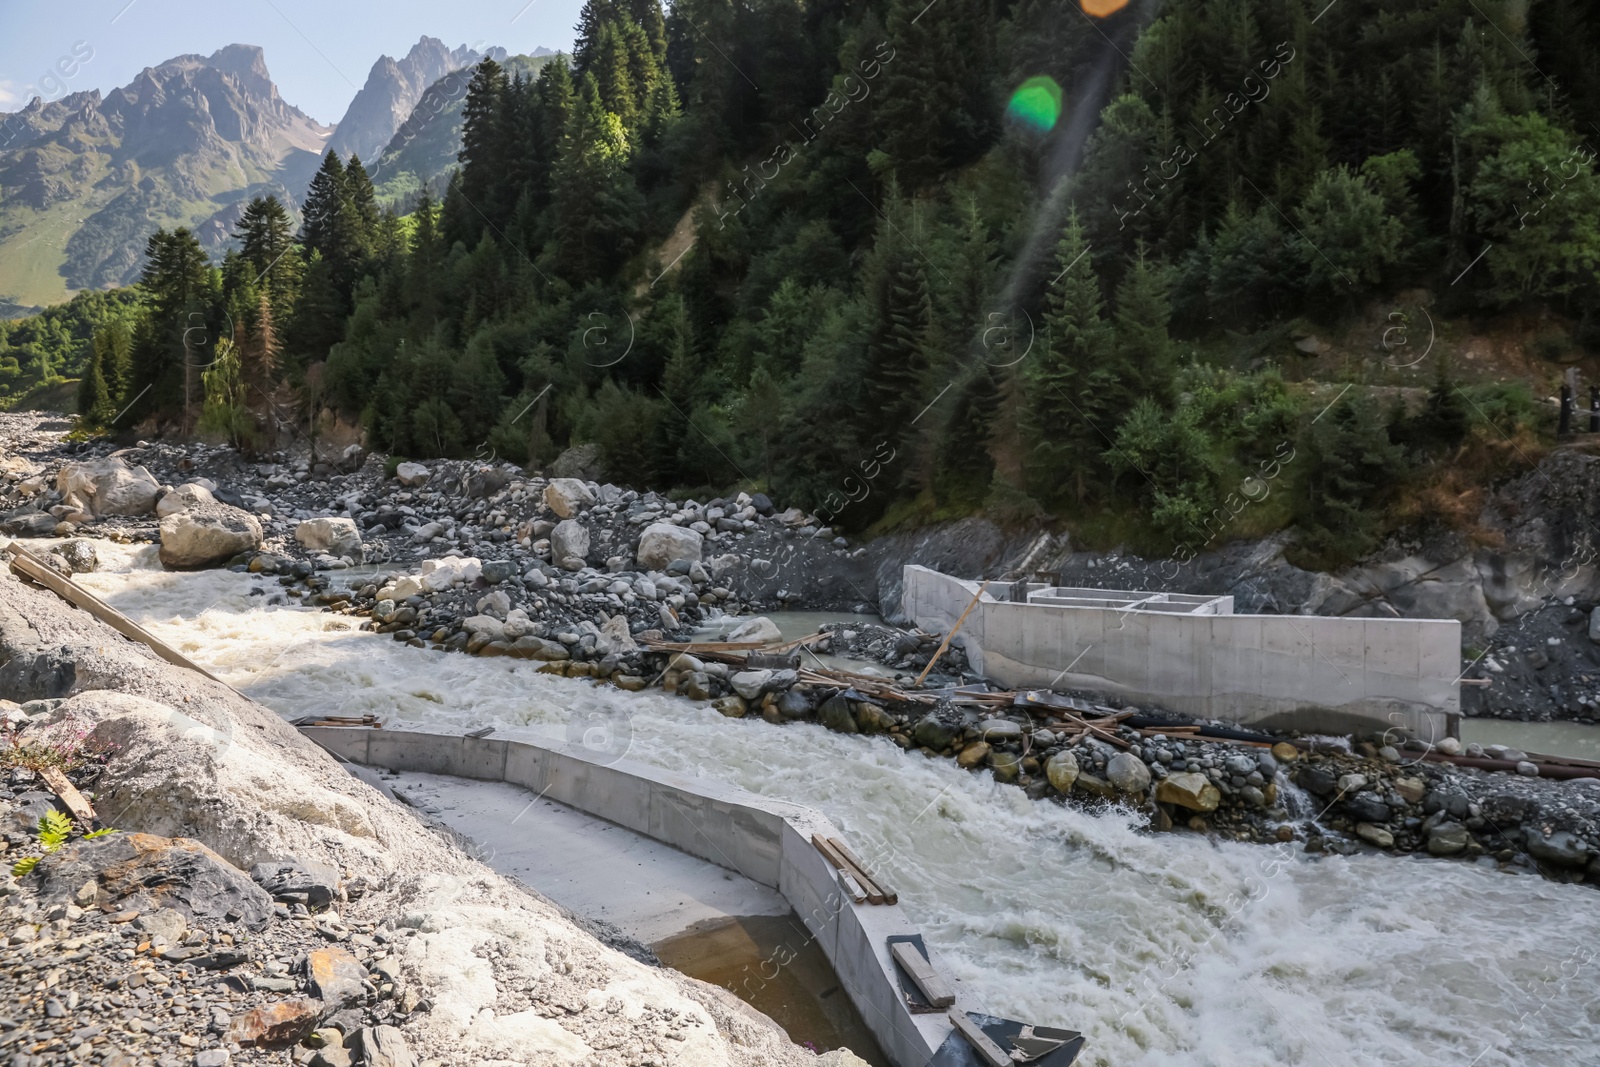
(1164, 949)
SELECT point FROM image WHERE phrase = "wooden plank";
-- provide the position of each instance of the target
(33, 568)
(889, 895)
(75, 801)
(946, 642)
(934, 988)
(852, 888)
(991, 1053)
(830, 854)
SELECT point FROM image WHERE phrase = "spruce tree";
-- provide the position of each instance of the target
(1074, 399)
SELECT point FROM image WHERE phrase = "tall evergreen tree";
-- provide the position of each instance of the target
(1074, 397)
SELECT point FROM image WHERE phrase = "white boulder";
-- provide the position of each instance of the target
(759, 628)
(662, 542)
(108, 487)
(207, 536)
(337, 537)
(186, 496)
(412, 474)
(567, 496)
(569, 540)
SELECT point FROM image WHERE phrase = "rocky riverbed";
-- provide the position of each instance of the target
(584, 578)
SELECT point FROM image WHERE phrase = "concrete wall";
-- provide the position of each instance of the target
(767, 841)
(1292, 671)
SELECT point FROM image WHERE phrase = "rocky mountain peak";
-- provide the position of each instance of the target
(392, 89)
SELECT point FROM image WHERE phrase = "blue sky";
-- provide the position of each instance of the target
(319, 51)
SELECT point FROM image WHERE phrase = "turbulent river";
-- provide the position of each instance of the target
(1164, 949)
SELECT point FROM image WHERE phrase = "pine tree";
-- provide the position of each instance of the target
(597, 205)
(1144, 351)
(1073, 397)
(266, 237)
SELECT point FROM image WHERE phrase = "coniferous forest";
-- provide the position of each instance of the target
(895, 260)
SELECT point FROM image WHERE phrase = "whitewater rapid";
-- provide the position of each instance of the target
(1164, 949)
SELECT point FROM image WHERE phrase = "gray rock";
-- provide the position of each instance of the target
(383, 1046)
(999, 731)
(207, 536)
(412, 475)
(749, 684)
(569, 540)
(297, 881)
(486, 482)
(586, 462)
(1560, 849)
(212, 1057)
(759, 628)
(1062, 770)
(567, 496)
(1128, 773)
(143, 872)
(1447, 839)
(496, 571)
(662, 544)
(1316, 780)
(335, 536)
(937, 730)
(108, 487)
(1364, 807)
(835, 714)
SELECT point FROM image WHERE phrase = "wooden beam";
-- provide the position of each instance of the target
(29, 566)
(991, 1053)
(889, 895)
(831, 854)
(946, 642)
(934, 988)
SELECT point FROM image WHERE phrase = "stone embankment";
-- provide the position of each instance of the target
(255, 903)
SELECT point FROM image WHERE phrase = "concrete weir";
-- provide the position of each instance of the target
(768, 842)
(1193, 654)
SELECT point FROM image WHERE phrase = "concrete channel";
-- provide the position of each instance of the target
(720, 876)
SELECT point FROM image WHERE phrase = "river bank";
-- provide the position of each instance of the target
(258, 904)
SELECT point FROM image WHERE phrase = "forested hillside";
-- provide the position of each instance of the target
(945, 257)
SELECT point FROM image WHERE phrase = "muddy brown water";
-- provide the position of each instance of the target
(772, 963)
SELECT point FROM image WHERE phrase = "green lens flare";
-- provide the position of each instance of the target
(1036, 103)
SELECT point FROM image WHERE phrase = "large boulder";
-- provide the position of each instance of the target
(207, 536)
(1189, 790)
(186, 496)
(567, 496)
(759, 628)
(108, 487)
(570, 539)
(337, 537)
(581, 461)
(662, 543)
(1128, 773)
(412, 474)
(144, 872)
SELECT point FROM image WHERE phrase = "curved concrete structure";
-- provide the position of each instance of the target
(767, 841)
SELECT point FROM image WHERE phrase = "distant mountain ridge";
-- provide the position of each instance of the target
(84, 180)
(392, 90)
(424, 148)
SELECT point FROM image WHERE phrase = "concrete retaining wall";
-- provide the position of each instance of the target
(1292, 671)
(767, 841)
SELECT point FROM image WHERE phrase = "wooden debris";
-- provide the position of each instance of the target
(933, 987)
(371, 722)
(946, 642)
(987, 1050)
(75, 801)
(889, 895)
(851, 887)
(833, 856)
